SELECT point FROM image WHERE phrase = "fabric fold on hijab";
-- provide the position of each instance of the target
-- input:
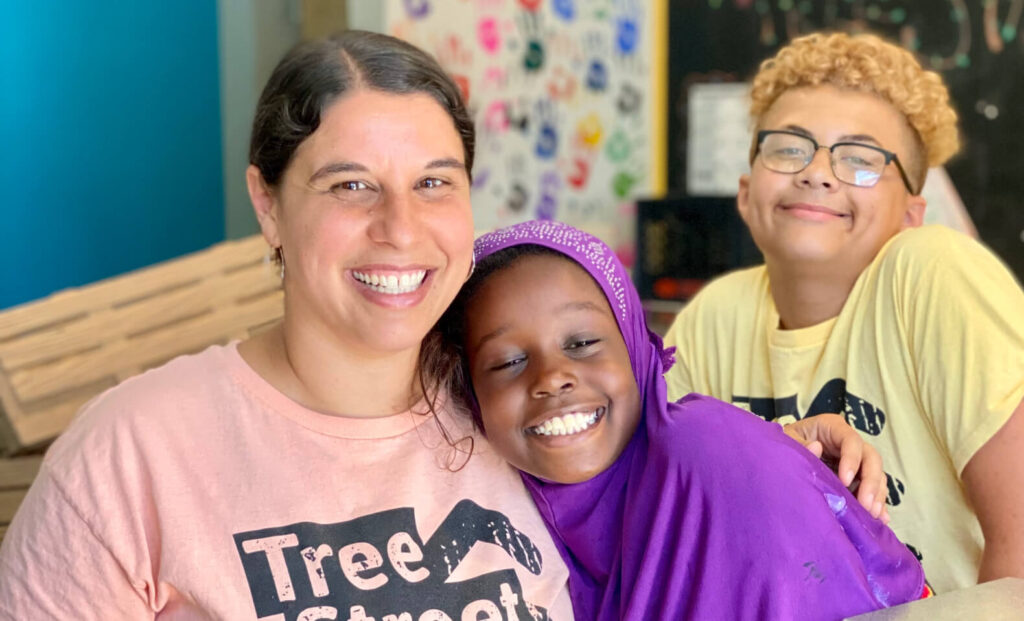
(710, 512)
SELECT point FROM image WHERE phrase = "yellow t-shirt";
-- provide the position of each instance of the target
(926, 360)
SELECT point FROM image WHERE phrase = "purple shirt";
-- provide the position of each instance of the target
(710, 512)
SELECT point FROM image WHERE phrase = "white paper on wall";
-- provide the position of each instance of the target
(718, 138)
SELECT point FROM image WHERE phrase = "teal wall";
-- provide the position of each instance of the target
(110, 139)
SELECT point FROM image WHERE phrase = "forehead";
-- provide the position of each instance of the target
(374, 125)
(540, 281)
(830, 113)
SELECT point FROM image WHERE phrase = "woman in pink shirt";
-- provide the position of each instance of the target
(314, 470)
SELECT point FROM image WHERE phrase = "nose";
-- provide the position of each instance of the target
(818, 173)
(552, 378)
(394, 220)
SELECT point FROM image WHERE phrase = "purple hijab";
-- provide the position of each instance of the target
(710, 512)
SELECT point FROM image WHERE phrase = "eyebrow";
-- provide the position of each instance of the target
(581, 305)
(844, 138)
(345, 166)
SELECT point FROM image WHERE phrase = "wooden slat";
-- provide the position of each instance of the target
(10, 500)
(19, 471)
(135, 354)
(42, 425)
(147, 314)
(59, 352)
(115, 291)
(16, 475)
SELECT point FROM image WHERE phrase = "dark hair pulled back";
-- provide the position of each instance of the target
(315, 74)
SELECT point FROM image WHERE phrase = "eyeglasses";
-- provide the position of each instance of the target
(852, 162)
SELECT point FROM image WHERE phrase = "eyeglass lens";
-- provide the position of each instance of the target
(855, 164)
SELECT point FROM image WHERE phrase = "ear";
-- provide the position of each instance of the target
(914, 215)
(743, 198)
(264, 203)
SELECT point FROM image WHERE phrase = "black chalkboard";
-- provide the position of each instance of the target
(977, 45)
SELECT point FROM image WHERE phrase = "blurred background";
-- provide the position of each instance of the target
(124, 126)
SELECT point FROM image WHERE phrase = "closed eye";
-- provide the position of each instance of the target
(581, 344)
(509, 364)
(790, 153)
(860, 162)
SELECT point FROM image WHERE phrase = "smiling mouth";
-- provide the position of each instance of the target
(813, 211)
(568, 424)
(391, 283)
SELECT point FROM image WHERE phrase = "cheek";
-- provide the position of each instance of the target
(499, 410)
(625, 391)
(453, 226)
(327, 235)
(492, 398)
(765, 186)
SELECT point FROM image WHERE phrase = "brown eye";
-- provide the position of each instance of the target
(432, 183)
(349, 186)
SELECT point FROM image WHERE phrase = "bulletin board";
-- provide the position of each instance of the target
(976, 45)
(568, 99)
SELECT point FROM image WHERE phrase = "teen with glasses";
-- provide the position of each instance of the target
(914, 333)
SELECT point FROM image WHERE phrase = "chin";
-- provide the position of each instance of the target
(575, 475)
(400, 341)
(806, 252)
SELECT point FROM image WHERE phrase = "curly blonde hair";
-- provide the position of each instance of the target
(866, 63)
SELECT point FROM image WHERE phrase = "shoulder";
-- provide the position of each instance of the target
(717, 302)
(725, 289)
(700, 430)
(935, 247)
(160, 398)
(935, 265)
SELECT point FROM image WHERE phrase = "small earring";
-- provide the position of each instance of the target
(472, 267)
(279, 257)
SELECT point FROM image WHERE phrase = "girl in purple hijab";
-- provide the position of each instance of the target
(694, 509)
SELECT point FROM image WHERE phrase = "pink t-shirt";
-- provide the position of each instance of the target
(198, 491)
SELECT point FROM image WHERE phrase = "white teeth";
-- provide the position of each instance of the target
(567, 424)
(392, 284)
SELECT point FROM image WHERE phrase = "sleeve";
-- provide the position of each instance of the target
(678, 377)
(964, 325)
(54, 566)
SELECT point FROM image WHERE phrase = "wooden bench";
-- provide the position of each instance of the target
(58, 352)
(16, 474)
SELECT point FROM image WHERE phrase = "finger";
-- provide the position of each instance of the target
(796, 431)
(815, 447)
(872, 481)
(850, 455)
(885, 515)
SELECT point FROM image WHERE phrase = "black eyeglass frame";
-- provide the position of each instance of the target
(889, 156)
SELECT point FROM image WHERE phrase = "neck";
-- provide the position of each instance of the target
(806, 297)
(329, 377)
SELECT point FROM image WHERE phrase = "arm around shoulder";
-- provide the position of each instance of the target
(53, 565)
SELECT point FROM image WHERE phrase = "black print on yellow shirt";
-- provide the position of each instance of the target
(377, 567)
(832, 398)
